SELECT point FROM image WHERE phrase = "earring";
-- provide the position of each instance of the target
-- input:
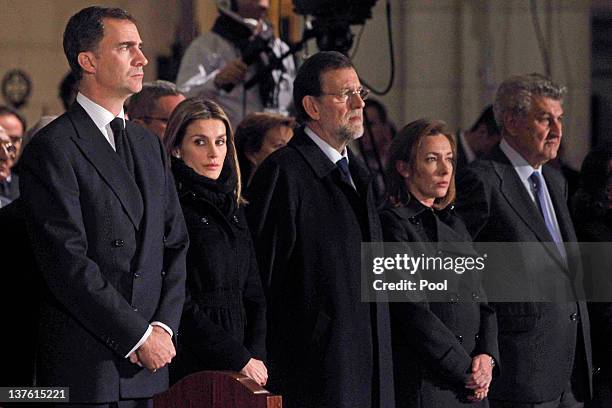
(176, 153)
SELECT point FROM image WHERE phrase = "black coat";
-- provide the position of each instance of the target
(543, 346)
(433, 343)
(19, 313)
(223, 323)
(111, 249)
(591, 229)
(326, 348)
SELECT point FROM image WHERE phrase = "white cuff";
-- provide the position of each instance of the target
(163, 326)
(142, 340)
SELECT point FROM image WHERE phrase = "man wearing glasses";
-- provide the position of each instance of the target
(8, 152)
(153, 106)
(14, 126)
(311, 206)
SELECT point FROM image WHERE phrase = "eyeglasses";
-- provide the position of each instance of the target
(344, 96)
(163, 120)
(9, 148)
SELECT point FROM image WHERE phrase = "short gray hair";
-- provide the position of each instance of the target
(514, 94)
(143, 103)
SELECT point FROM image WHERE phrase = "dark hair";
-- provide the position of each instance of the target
(144, 102)
(68, 89)
(308, 78)
(591, 199)
(193, 109)
(7, 111)
(487, 118)
(380, 108)
(251, 131)
(404, 147)
(85, 30)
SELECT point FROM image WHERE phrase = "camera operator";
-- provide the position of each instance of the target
(240, 45)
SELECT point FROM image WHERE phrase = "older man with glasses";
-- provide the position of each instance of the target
(311, 206)
(8, 153)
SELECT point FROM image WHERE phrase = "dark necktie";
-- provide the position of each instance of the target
(345, 174)
(121, 144)
(536, 184)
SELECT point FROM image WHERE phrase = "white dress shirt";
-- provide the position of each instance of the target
(102, 119)
(331, 153)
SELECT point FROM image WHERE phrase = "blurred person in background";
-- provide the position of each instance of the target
(257, 136)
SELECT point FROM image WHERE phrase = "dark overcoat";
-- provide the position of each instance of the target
(326, 348)
(543, 346)
(590, 229)
(433, 343)
(224, 318)
(111, 249)
(19, 296)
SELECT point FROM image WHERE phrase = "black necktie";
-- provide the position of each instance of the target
(121, 144)
(345, 174)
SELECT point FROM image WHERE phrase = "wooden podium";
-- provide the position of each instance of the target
(217, 389)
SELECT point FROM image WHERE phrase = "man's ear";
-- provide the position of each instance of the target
(87, 61)
(311, 107)
(402, 168)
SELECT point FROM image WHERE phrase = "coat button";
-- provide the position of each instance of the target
(475, 297)
(596, 370)
(118, 243)
(477, 337)
(163, 273)
(573, 317)
(136, 275)
(204, 220)
(459, 338)
(235, 218)
(135, 309)
(164, 239)
(414, 220)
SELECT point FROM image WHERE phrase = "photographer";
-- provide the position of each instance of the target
(240, 45)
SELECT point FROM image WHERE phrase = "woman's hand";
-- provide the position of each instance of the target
(256, 370)
(480, 379)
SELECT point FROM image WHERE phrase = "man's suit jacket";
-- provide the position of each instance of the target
(111, 250)
(541, 344)
(326, 348)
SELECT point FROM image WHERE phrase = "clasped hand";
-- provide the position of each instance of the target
(156, 352)
(480, 379)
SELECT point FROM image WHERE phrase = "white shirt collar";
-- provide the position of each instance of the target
(522, 167)
(100, 116)
(331, 153)
(97, 113)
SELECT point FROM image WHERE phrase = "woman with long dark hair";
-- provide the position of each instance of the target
(223, 322)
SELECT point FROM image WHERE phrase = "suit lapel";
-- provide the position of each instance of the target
(519, 199)
(111, 168)
(554, 185)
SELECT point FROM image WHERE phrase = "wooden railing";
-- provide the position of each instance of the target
(217, 389)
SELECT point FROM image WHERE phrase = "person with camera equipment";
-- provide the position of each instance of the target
(240, 46)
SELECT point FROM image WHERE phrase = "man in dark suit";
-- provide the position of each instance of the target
(311, 206)
(106, 228)
(514, 196)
